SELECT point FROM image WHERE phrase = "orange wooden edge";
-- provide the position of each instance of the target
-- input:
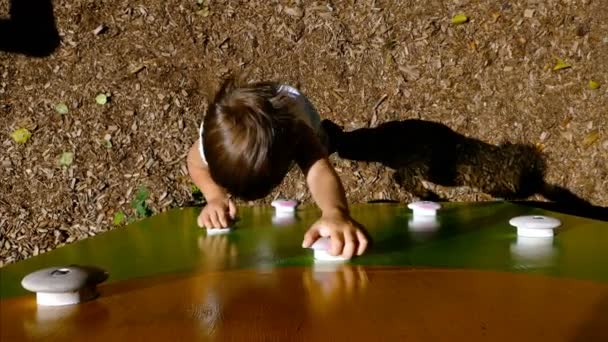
(346, 303)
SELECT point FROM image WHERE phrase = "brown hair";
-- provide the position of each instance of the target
(248, 139)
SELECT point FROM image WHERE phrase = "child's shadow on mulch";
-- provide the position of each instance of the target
(30, 29)
(423, 150)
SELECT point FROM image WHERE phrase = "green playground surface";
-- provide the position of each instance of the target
(468, 236)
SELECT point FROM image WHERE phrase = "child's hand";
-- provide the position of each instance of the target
(217, 213)
(346, 235)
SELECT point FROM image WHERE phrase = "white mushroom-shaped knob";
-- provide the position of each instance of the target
(217, 231)
(424, 208)
(285, 205)
(67, 285)
(321, 251)
(537, 226)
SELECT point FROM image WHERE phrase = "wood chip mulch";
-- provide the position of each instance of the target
(361, 63)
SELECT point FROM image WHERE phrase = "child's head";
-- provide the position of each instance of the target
(249, 138)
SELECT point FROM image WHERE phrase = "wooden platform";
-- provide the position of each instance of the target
(471, 279)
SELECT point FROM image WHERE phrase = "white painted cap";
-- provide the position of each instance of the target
(55, 286)
(217, 231)
(321, 251)
(285, 205)
(535, 225)
(426, 208)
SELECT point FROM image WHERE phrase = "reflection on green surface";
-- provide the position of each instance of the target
(476, 236)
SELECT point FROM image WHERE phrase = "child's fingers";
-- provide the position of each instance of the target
(362, 242)
(231, 209)
(349, 244)
(200, 220)
(311, 236)
(206, 221)
(214, 219)
(337, 243)
(221, 215)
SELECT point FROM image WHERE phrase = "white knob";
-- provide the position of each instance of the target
(68, 285)
(285, 206)
(217, 231)
(321, 251)
(537, 226)
(424, 208)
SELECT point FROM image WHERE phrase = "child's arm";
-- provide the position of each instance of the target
(219, 209)
(326, 188)
(347, 236)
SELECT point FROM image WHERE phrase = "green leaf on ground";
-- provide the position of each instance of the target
(119, 217)
(107, 141)
(61, 108)
(101, 99)
(66, 159)
(139, 203)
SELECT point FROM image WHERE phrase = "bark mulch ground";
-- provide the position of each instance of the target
(491, 79)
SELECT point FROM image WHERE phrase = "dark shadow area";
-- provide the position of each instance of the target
(421, 150)
(588, 211)
(594, 328)
(383, 201)
(30, 28)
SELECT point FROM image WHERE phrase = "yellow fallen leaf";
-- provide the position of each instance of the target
(136, 68)
(591, 138)
(388, 58)
(21, 135)
(593, 85)
(459, 19)
(540, 147)
(561, 64)
(203, 12)
(473, 46)
(495, 16)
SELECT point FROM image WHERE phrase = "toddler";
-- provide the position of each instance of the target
(250, 137)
